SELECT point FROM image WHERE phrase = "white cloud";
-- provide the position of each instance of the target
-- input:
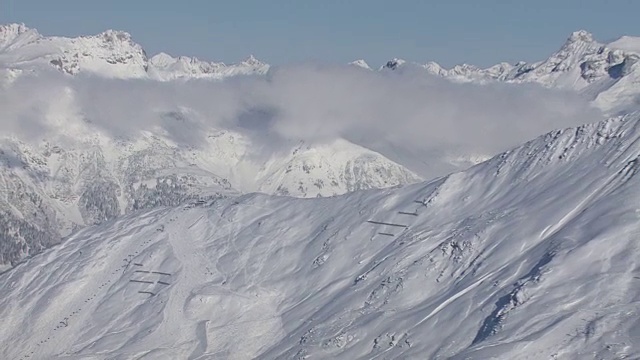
(409, 110)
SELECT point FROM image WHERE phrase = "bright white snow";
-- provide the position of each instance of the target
(111, 54)
(532, 254)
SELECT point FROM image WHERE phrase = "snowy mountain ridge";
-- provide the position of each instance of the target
(607, 74)
(579, 62)
(111, 54)
(531, 254)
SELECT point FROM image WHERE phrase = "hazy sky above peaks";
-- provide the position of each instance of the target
(292, 31)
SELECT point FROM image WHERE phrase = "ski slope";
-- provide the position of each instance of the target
(529, 255)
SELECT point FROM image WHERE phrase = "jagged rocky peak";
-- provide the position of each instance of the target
(13, 29)
(596, 60)
(114, 36)
(111, 54)
(581, 35)
(252, 61)
(579, 43)
(120, 41)
(578, 63)
(10, 33)
(394, 63)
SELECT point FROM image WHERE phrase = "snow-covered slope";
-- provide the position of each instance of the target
(331, 169)
(530, 255)
(111, 54)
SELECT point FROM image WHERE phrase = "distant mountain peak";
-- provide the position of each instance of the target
(115, 36)
(111, 54)
(10, 34)
(14, 28)
(581, 35)
(360, 63)
(394, 63)
(252, 61)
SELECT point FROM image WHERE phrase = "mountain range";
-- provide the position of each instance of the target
(145, 245)
(606, 74)
(58, 182)
(111, 54)
(84, 176)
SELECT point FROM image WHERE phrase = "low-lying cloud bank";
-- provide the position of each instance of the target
(409, 110)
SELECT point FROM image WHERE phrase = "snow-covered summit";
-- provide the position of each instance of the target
(14, 34)
(112, 54)
(165, 67)
(393, 64)
(109, 54)
(360, 63)
(253, 61)
(606, 73)
(580, 61)
(331, 169)
(581, 36)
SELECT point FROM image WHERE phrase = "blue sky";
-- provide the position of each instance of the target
(480, 32)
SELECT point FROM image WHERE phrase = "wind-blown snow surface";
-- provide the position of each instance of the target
(530, 255)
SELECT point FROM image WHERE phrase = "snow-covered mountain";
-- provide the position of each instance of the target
(530, 255)
(53, 188)
(171, 253)
(83, 175)
(165, 67)
(608, 74)
(361, 63)
(111, 54)
(331, 169)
